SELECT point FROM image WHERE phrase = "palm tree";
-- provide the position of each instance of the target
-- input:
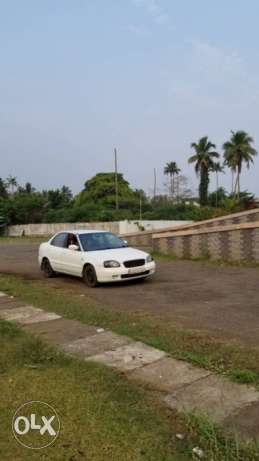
(238, 150)
(204, 162)
(217, 168)
(12, 183)
(172, 170)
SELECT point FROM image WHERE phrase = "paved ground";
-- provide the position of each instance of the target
(221, 301)
(180, 385)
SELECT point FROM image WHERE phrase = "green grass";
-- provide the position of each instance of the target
(103, 416)
(33, 239)
(229, 359)
(218, 446)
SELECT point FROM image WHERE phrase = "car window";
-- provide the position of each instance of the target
(72, 240)
(60, 240)
(100, 241)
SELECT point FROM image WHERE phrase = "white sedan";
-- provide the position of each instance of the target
(96, 256)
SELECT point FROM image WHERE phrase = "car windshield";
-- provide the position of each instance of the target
(100, 241)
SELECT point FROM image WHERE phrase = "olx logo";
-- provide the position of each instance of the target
(36, 425)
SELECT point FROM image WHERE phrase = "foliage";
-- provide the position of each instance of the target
(204, 159)
(172, 170)
(217, 198)
(101, 190)
(238, 151)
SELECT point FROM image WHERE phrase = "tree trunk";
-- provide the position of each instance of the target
(204, 184)
(178, 188)
(217, 188)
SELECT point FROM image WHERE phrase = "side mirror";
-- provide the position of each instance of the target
(73, 247)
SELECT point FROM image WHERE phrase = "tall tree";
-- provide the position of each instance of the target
(204, 159)
(11, 183)
(217, 168)
(3, 189)
(172, 170)
(238, 151)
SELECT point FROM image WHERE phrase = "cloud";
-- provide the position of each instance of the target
(211, 77)
(154, 9)
(138, 30)
(213, 59)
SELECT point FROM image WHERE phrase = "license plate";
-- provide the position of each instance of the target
(135, 270)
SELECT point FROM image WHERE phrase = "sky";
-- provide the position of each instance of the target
(80, 77)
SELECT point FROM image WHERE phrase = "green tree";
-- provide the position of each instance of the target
(238, 151)
(100, 189)
(217, 168)
(3, 189)
(204, 160)
(172, 170)
(11, 183)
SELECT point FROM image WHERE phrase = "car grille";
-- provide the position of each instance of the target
(138, 274)
(134, 263)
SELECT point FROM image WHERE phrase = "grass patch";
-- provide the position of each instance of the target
(102, 415)
(229, 359)
(25, 239)
(218, 445)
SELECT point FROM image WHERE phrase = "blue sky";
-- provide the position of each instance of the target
(80, 77)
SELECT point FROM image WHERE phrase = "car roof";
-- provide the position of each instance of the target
(81, 231)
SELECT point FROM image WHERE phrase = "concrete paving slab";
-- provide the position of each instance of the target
(214, 397)
(130, 356)
(168, 374)
(60, 331)
(27, 314)
(96, 344)
(245, 422)
(9, 303)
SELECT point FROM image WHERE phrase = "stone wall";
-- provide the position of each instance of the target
(144, 239)
(236, 242)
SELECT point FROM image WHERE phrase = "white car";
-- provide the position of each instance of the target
(96, 256)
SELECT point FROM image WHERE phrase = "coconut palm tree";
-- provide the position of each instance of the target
(172, 170)
(204, 159)
(238, 150)
(217, 168)
(11, 183)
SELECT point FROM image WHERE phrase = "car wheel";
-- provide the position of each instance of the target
(47, 269)
(89, 276)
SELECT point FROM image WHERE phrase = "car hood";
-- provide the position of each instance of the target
(118, 254)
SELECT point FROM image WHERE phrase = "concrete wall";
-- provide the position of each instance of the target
(236, 242)
(119, 227)
(134, 226)
(52, 228)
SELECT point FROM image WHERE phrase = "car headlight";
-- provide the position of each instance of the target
(149, 259)
(111, 264)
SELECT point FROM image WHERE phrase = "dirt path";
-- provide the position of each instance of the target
(221, 301)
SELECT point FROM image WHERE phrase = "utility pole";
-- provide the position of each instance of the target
(140, 208)
(154, 182)
(116, 179)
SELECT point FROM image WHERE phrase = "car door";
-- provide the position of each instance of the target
(56, 247)
(72, 260)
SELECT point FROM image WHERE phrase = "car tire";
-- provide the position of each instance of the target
(89, 276)
(47, 269)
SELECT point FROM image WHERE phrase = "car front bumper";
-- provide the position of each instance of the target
(119, 274)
